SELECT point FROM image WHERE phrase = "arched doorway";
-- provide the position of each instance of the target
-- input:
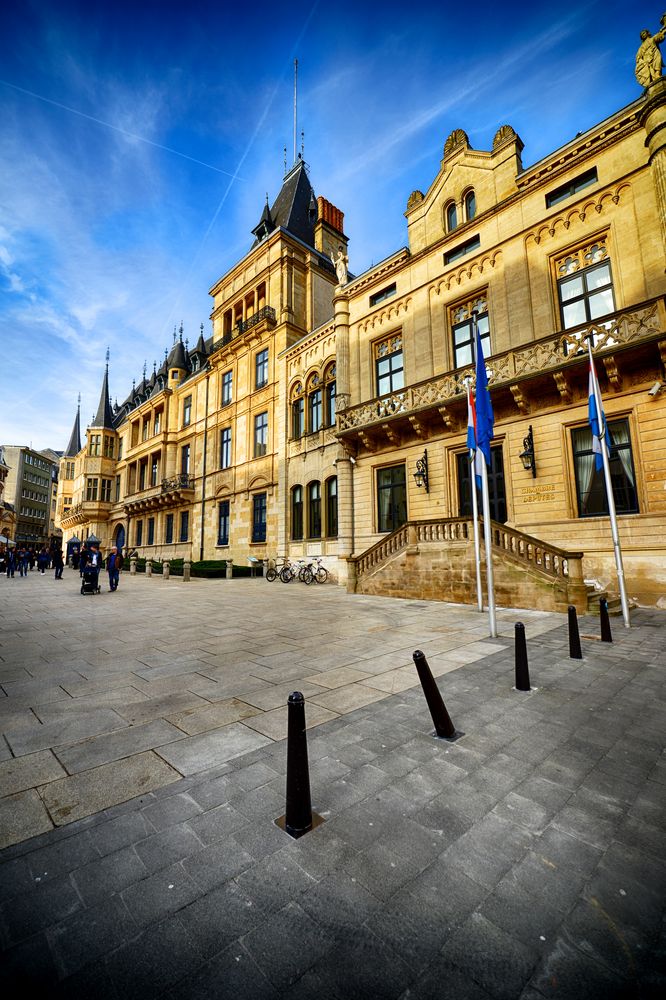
(119, 537)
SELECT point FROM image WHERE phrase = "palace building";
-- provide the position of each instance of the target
(326, 413)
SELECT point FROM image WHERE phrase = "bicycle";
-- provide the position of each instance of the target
(319, 572)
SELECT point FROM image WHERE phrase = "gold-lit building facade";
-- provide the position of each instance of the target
(295, 429)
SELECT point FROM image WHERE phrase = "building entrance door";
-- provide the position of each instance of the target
(496, 491)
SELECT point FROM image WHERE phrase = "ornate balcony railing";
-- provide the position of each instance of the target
(180, 482)
(643, 322)
(265, 313)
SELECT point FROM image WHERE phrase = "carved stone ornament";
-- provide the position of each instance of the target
(504, 134)
(415, 198)
(649, 61)
(457, 138)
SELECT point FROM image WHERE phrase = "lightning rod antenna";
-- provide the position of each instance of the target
(295, 103)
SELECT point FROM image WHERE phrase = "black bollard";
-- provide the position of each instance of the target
(575, 652)
(444, 728)
(298, 818)
(604, 621)
(522, 670)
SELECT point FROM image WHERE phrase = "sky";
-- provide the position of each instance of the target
(138, 142)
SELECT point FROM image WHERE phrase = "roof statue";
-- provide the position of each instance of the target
(648, 58)
(341, 263)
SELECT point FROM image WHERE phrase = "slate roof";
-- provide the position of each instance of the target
(295, 208)
(104, 416)
(74, 446)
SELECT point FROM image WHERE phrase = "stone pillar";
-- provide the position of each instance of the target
(351, 576)
(345, 471)
(342, 377)
(230, 569)
(166, 569)
(133, 566)
(653, 120)
(186, 571)
(149, 567)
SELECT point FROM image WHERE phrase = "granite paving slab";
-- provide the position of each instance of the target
(202, 720)
(22, 816)
(198, 753)
(63, 731)
(114, 746)
(20, 773)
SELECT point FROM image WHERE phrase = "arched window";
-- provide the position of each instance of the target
(297, 411)
(329, 396)
(296, 512)
(332, 507)
(315, 404)
(314, 510)
(451, 217)
(470, 206)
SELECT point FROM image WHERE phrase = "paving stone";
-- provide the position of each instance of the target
(45, 904)
(174, 809)
(490, 957)
(196, 753)
(287, 944)
(201, 720)
(153, 961)
(151, 899)
(114, 746)
(223, 915)
(28, 964)
(337, 677)
(116, 833)
(348, 698)
(20, 773)
(69, 730)
(274, 723)
(233, 971)
(114, 872)
(361, 965)
(22, 816)
(217, 823)
(168, 846)
(89, 935)
(566, 973)
(15, 877)
(62, 857)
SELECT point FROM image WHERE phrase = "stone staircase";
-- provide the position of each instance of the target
(435, 560)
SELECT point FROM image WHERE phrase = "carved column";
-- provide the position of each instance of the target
(653, 119)
(342, 382)
(345, 472)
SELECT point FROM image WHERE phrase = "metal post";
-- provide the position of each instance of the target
(575, 652)
(298, 818)
(522, 669)
(487, 530)
(444, 728)
(604, 621)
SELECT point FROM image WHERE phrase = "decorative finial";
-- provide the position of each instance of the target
(133, 385)
(154, 367)
(285, 164)
(181, 330)
(202, 329)
(145, 365)
(79, 400)
(302, 143)
(174, 334)
(166, 353)
(108, 355)
(187, 343)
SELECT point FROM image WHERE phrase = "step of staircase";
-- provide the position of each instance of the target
(594, 597)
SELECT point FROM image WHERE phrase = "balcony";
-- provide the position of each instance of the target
(170, 493)
(265, 315)
(542, 373)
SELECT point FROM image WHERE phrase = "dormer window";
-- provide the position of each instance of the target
(470, 206)
(451, 217)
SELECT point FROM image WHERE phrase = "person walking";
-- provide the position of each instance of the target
(42, 560)
(23, 560)
(11, 563)
(94, 563)
(114, 564)
(58, 563)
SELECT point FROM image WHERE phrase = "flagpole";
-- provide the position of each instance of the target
(487, 530)
(484, 433)
(601, 417)
(475, 514)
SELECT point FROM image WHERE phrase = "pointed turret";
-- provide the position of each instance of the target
(265, 225)
(104, 416)
(199, 355)
(74, 446)
(292, 209)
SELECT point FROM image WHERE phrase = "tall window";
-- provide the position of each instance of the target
(145, 429)
(95, 444)
(106, 491)
(223, 523)
(158, 422)
(332, 507)
(329, 392)
(590, 483)
(168, 529)
(184, 525)
(69, 470)
(108, 446)
(298, 412)
(143, 465)
(314, 510)
(260, 434)
(117, 489)
(296, 513)
(227, 388)
(451, 217)
(151, 531)
(259, 517)
(391, 498)
(185, 460)
(154, 469)
(470, 206)
(315, 407)
(462, 322)
(139, 533)
(225, 447)
(91, 490)
(585, 285)
(389, 366)
(261, 368)
(187, 411)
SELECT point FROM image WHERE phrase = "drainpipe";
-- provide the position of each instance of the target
(203, 473)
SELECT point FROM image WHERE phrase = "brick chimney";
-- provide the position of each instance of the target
(329, 235)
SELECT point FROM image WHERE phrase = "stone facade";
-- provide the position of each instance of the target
(295, 429)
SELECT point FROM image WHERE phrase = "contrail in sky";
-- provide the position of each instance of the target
(116, 128)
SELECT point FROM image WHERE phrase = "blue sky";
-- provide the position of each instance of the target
(139, 140)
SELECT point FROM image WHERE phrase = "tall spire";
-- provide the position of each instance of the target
(74, 446)
(104, 417)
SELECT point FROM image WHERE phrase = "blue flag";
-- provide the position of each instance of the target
(485, 418)
(598, 425)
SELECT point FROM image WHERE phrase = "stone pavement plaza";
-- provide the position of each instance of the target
(143, 765)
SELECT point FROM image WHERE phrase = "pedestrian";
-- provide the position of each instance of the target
(58, 563)
(75, 558)
(94, 562)
(11, 563)
(43, 560)
(114, 564)
(31, 556)
(84, 559)
(23, 560)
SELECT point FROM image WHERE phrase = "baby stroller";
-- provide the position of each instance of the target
(90, 581)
